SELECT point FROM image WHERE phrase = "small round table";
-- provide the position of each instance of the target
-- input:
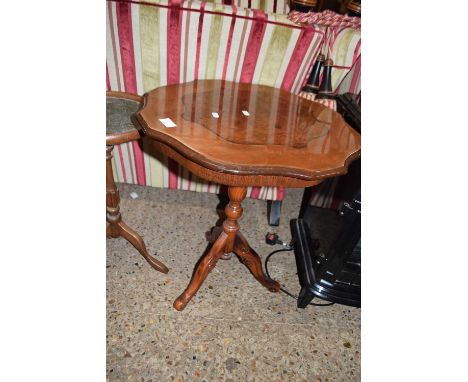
(243, 135)
(119, 129)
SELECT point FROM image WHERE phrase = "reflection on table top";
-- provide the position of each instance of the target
(249, 129)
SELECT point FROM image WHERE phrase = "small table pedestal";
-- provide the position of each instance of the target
(115, 226)
(229, 240)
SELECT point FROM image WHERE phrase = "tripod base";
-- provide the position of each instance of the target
(229, 240)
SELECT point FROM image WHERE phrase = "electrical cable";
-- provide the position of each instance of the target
(290, 248)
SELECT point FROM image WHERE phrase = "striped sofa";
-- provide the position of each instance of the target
(153, 43)
(269, 6)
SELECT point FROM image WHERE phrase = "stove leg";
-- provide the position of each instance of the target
(274, 212)
(305, 297)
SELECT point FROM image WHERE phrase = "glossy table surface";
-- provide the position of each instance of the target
(256, 130)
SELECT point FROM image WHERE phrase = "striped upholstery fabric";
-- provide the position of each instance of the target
(270, 6)
(169, 42)
(342, 43)
(345, 51)
(351, 82)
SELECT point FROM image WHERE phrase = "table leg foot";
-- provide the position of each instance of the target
(137, 241)
(252, 261)
(202, 269)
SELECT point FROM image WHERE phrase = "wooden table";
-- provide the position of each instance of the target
(119, 129)
(245, 135)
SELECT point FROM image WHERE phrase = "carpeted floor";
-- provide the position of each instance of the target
(233, 329)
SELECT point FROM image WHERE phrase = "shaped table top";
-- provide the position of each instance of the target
(243, 129)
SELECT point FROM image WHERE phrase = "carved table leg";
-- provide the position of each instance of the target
(133, 237)
(228, 241)
(251, 260)
(115, 227)
(201, 271)
(112, 198)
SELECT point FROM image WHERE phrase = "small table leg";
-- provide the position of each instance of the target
(230, 240)
(115, 227)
